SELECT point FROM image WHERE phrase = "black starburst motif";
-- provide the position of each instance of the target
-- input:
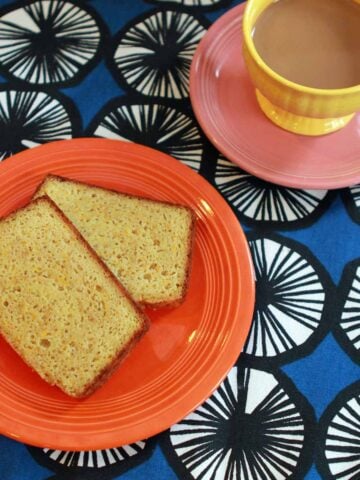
(95, 458)
(291, 292)
(203, 4)
(153, 55)
(351, 197)
(262, 203)
(338, 455)
(30, 118)
(256, 425)
(48, 42)
(347, 327)
(112, 461)
(154, 124)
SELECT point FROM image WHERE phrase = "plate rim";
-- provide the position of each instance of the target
(75, 441)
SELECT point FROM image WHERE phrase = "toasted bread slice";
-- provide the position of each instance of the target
(147, 244)
(61, 308)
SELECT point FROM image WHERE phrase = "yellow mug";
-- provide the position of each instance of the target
(291, 106)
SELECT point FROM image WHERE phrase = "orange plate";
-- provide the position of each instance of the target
(188, 350)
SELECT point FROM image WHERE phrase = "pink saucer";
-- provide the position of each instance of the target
(224, 103)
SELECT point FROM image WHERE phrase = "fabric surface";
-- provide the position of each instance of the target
(290, 407)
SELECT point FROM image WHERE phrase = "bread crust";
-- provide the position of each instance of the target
(190, 240)
(144, 327)
(121, 194)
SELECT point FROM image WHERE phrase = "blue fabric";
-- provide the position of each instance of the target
(319, 377)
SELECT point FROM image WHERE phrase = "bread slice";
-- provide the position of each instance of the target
(61, 308)
(147, 244)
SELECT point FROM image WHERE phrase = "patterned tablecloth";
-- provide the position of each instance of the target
(290, 407)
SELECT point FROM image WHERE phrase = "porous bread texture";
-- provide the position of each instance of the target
(147, 244)
(61, 309)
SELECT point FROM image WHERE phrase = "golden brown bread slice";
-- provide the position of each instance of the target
(61, 308)
(147, 244)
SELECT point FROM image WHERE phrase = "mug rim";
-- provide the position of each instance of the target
(279, 78)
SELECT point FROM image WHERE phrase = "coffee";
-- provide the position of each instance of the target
(311, 42)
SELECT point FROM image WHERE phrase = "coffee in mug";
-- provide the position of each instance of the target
(315, 43)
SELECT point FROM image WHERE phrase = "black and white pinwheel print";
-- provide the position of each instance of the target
(260, 203)
(347, 327)
(351, 197)
(153, 54)
(152, 123)
(47, 42)
(338, 454)
(293, 295)
(193, 4)
(112, 462)
(31, 118)
(255, 426)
